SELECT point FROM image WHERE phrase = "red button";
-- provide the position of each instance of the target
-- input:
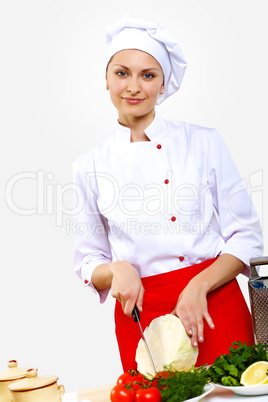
(159, 146)
(166, 181)
(173, 218)
(181, 258)
(86, 281)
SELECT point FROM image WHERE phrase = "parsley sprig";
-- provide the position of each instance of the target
(227, 369)
(179, 386)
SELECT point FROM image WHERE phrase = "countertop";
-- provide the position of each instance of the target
(102, 394)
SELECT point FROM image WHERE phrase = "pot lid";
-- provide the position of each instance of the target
(32, 381)
(14, 372)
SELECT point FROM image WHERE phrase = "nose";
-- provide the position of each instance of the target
(133, 86)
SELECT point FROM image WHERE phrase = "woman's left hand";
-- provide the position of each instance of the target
(192, 309)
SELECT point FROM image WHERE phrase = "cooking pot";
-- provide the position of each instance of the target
(7, 377)
(36, 389)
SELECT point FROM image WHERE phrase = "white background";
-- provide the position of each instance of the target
(54, 107)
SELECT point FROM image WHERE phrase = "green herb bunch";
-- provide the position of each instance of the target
(178, 386)
(227, 369)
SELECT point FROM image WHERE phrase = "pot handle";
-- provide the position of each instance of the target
(61, 391)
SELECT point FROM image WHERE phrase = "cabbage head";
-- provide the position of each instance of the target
(169, 345)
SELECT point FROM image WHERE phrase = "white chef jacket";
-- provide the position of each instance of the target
(163, 204)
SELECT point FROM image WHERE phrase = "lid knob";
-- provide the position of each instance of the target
(31, 373)
(12, 363)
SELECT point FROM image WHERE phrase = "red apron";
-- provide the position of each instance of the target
(226, 305)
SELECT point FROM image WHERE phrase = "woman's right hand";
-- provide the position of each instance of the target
(126, 286)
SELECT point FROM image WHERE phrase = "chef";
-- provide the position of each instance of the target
(168, 223)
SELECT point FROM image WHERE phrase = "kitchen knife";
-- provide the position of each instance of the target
(136, 316)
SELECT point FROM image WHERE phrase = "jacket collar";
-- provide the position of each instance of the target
(154, 131)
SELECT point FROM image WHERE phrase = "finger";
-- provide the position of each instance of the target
(116, 295)
(121, 300)
(139, 301)
(209, 320)
(194, 335)
(129, 306)
(200, 330)
(185, 320)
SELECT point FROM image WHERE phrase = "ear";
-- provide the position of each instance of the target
(161, 89)
(107, 84)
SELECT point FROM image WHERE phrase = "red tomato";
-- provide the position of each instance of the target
(135, 385)
(148, 394)
(130, 376)
(120, 393)
(163, 374)
(160, 375)
(124, 379)
(152, 383)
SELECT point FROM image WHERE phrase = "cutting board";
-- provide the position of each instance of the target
(98, 394)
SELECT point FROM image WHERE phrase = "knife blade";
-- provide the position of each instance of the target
(136, 317)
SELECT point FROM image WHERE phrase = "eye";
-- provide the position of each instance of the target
(121, 73)
(148, 75)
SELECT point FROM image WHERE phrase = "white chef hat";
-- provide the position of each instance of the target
(152, 38)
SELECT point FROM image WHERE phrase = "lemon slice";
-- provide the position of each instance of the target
(255, 374)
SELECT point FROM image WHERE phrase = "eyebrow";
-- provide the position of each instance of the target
(143, 71)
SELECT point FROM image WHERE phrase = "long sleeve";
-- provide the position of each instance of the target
(91, 244)
(239, 223)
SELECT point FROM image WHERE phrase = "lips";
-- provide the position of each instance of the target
(133, 101)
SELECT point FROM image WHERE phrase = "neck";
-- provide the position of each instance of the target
(137, 125)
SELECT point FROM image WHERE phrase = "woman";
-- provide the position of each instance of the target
(169, 222)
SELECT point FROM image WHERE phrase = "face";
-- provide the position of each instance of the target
(134, 79)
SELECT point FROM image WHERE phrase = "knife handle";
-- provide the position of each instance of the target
(136, 314)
